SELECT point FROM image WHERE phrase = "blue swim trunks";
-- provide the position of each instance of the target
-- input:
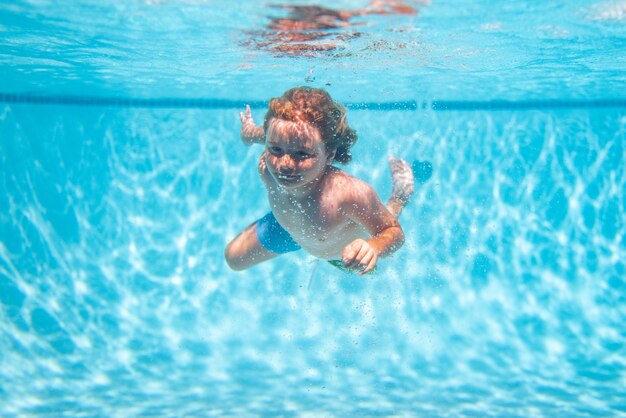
(273, 236)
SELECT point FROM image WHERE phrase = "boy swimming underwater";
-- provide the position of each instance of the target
(316, 206)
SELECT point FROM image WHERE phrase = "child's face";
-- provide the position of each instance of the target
(296, 155)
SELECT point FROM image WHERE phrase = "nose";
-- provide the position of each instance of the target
(286, 165)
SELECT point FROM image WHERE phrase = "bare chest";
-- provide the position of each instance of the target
(309, 220)
(317, 222)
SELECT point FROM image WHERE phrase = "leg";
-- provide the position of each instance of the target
(246, 250)
(261, 241)
(403, 185)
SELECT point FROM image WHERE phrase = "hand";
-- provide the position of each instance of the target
(359, 256)
(262, 164)
(250, 132)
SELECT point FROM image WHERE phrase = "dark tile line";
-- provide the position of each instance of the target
(436, 105)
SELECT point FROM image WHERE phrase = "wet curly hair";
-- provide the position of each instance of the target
(316, 107)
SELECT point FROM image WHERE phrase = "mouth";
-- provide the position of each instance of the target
(288, 178)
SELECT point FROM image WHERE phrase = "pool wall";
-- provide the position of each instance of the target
(507, 298)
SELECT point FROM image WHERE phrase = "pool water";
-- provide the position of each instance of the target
(119, 195)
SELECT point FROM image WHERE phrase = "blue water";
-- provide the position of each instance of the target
(508, 298)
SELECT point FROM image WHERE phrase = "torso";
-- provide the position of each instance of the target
(316, 222)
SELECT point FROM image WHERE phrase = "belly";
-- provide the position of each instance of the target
(329, 244)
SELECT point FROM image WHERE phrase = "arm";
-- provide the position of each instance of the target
(365, 208)
(250, 132)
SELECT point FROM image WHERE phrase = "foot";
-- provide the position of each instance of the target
(402, 177)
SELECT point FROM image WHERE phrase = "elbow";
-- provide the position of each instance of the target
(398, 238)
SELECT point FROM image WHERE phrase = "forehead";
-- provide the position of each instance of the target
(294, 133)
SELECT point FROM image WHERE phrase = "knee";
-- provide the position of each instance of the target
(230, 258)
(233, 259)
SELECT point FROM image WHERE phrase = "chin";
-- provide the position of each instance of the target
(288, 181)
(289, 184)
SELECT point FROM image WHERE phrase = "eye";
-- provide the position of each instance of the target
(275, 150)
(302, 155)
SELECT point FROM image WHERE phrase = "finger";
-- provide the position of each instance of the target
(362, 258)
(248, 111)
(242, 117)
(370, 266)
(350, 263)
(365, 260)
(348, 256)
(357, 264)
(364, 252)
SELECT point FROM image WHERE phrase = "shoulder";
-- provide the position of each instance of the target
(358, 201)
(337, 178)
(351, 192)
